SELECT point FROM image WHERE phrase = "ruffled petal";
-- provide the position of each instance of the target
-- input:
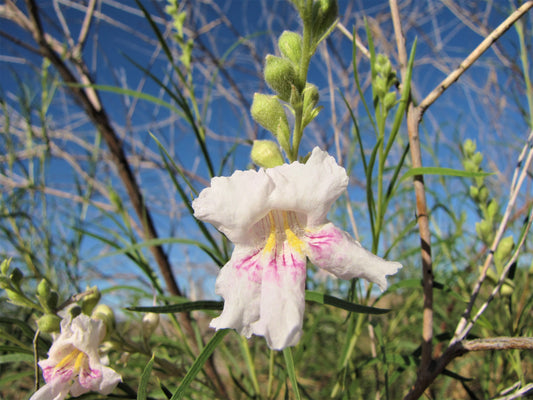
(309, 188)
(282, 297)
(239, 283)
(233, 204)
(51, 391)
(337, 252)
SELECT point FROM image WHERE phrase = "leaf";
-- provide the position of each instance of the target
(289, 362)
(442, 171)
(142, 392)
(199, 363)
(322, 298)
(181, 307)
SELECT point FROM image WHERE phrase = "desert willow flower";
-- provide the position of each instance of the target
(277, 218)
(74, 365)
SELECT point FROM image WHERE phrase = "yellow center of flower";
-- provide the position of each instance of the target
(283, 225)
(75, 361)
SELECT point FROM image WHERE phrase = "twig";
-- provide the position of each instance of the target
(473, 56)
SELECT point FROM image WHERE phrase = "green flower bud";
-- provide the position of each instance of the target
(290, 45)
(49, 323)
(469, 166)
(474, 193)
(483, 195)
(380, 87)
(51, 300)
(503, 251)
(324, 16)
(389, 100)
(16, 277)
(74, 311)
(90, 301)
(477, 158)
(43, 289)
(492, 209)
(266, 154)
(491, 275)
(268, 112)
(4, 267)
(469, 148)
(280, 75)
(383, 66)
(106, 314)
(311, 96)
(149, 323)
(485, 231)
(507, 288)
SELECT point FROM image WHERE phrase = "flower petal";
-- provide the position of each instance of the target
(282, 298)
(309, 188)
(239, 283)
(337, 252)
(51, 391)
(233, 204)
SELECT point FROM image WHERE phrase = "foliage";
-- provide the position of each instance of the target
(104, 150)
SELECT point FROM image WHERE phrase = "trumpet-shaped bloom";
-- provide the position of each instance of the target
(73, 364)
(277, 218)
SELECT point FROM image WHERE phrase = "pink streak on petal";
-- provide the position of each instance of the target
(88, 376)
(250, 265)
(321, 241)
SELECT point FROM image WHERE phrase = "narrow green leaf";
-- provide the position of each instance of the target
(442, 171)
(181, 307)
(143, 385)
(289, 363)
(16, 357)
(199, 363)
(322, 298)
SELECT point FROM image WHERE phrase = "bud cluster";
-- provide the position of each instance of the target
(287, 77)
(383, 82)
(490, 213)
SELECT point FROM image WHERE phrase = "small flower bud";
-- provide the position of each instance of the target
(389, 100)
(380, 87)
(43, 289)
(49, 323)
(507, 288)
(503, 251)
(483, 195)
(51, 300)
(268, 112)
(290, 45)
(485, 231)
(474, 193)
(469, 165)
(383, 66)
(280, 75)
(477, 158)
(90, 300)
(18, 299)
(16, 277)
(106, 314)
(469, 148)
(492, 210)
(324, 15)
(266, 154)
(311, 97)
(149, 323)
(74, 311)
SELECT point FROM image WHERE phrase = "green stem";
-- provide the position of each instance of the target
(250, 363)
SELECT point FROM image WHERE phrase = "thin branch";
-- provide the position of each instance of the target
(473, 56)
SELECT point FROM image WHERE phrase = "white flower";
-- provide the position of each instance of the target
(73, 364)
(277, 218)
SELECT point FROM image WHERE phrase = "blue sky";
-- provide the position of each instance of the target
(462, 112)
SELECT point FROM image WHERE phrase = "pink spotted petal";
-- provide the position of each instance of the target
(239, 283)
(282, 299)
(337, 252)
